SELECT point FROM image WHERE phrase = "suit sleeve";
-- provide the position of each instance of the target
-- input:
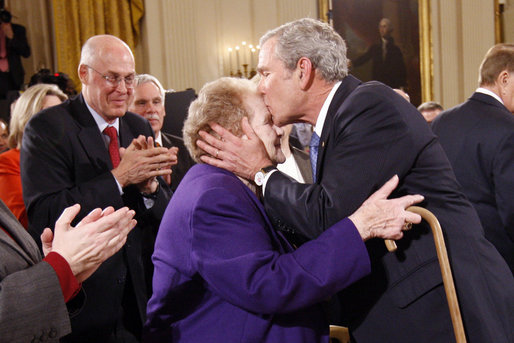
(49, 173)
(503, 179)
(32, 305)
(369, 142)
(18, 43)
(234, 254)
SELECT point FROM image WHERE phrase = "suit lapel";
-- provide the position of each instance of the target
(126, 135)
(90, 136)
(21, 241)
(166, 142)
(347, 86)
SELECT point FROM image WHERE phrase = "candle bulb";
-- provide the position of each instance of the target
(245, 60)
(253, 52)
(230, 61)
(237, 57)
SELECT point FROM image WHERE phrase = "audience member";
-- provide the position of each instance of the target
(367, 133)
(221, 273)
(429, 110)
(62, 80)
(13, 46)
(33, 100)
(478, 138)
(71, 154)
(386, 58)
(297, 163)
(4, 134)
(33, 293)
(149, 102)
(302, 132)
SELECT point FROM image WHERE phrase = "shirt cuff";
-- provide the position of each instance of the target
(266, 178)
(69, 283)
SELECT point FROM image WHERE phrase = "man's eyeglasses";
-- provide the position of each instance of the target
(116, 80)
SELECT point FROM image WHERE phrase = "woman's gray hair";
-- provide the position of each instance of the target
(222, 102)
(317, 41)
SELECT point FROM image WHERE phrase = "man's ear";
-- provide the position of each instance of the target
(83, 73)
(502, 81)
(305, 72)
(504, 77)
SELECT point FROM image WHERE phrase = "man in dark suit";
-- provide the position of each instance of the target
(71, 154)
(386, 57)
(33, 294)
(149, 103)
(478, 138)
(13, 46)
(366, 132)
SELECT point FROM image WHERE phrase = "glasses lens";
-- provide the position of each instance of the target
(129, 81)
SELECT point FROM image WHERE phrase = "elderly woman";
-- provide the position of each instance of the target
(33, 100)
(222, 273)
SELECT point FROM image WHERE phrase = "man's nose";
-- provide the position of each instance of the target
(278, 130)
(122, 86)
(260, 86)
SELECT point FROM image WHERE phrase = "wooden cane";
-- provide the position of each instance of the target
(444, 263)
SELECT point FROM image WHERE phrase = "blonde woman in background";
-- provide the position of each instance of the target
(33, 100)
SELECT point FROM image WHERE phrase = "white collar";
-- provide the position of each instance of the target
(490, 93)
(100, 122)
(318, 128)
(158, 138)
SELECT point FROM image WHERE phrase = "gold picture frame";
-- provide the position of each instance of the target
(425, 43)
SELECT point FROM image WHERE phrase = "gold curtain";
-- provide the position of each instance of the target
(77, 20)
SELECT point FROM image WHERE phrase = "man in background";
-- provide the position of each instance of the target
(429, 110)
(478, 138)
(13, 46)
(149, 103)
(90, 150)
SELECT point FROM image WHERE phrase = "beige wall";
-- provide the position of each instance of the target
(185, 42)
(462, 32)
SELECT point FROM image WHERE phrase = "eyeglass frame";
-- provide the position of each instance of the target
(115, 81)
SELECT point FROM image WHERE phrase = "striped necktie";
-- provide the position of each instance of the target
(313, 153)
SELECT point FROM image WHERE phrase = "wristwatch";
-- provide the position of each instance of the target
(261, 174)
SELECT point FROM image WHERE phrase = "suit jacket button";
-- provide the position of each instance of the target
(52, 333)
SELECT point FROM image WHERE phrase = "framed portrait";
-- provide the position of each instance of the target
(387, 40)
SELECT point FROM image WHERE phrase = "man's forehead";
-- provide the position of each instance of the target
(148, 90)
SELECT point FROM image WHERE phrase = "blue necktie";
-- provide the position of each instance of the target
(313, 152)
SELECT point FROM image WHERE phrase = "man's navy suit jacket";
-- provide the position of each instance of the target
(478, 137)
(370, 134)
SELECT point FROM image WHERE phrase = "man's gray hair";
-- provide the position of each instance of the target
(317, 41)
(146, 78)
